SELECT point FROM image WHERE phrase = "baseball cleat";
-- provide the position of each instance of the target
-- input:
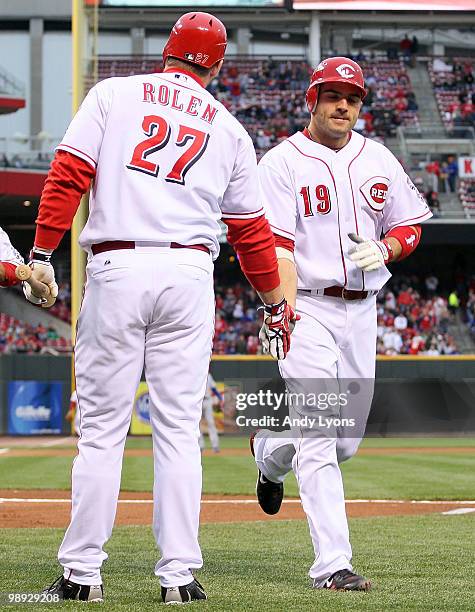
(65, 589)
(344, 580)
(183, 594)
(269, 494)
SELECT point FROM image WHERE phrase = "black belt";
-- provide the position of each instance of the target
(115, 245)
(341, 292)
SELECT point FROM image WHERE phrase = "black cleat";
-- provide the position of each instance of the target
(183, 594)
(65, 589)
(269, 494)
(345, 580)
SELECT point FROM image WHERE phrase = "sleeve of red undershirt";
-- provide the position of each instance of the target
(9, 273)
(285, 243)
(408, 237)
(68, 180)
(253, 242)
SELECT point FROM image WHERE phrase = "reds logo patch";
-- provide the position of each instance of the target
(346, 71)
(375, 192)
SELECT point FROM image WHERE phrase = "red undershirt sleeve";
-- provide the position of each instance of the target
(253, 242)
(68, 180)
(408, 237)
(10, 278)
(285, 243)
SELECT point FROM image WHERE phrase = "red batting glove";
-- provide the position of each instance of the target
(279, 322)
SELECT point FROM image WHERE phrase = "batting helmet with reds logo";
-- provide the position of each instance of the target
(334, 70)
(198, 38)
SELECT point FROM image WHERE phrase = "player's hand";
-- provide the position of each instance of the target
(279, 322)
(44, 273)
(368, 255)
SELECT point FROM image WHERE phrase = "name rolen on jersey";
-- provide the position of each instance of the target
(189, 161)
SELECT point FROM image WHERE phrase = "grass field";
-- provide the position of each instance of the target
(396, 475)
(416, 562)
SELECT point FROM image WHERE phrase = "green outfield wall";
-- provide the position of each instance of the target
(432, 395)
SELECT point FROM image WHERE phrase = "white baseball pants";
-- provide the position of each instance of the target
(151, 307)
(212, 431)
(333, 348)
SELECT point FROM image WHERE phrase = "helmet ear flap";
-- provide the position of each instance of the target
(311, 98)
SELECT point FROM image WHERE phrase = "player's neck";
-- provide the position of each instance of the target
(333, 144)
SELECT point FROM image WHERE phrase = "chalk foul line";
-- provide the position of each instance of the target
(50, 500)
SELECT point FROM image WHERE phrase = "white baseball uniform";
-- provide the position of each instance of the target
(170, 162)
(208, 414)
(8, 252)
(73, 405)
(9, 256)
(315, 197)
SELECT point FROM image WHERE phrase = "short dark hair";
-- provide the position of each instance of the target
(198, 70)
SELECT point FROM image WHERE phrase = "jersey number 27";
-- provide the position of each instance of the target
(194, 143)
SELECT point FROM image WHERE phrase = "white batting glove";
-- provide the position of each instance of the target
(368, 255)
(42, 271)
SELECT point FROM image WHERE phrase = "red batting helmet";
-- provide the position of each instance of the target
(334, 70)
(198, 38)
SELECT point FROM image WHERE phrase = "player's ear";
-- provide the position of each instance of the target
(216, 69)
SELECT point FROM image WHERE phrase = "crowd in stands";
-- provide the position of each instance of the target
(437, 176)
(390, 101)
(268, 95)
(20, 337)
(237, 323)
(470, 311)
(412, 320)
(467, 195)
(454, 85)
(62, 307)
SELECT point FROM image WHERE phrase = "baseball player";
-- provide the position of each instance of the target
(211, 392)
(10, 258)
(330, 196)
(167, 161)
(39, 287)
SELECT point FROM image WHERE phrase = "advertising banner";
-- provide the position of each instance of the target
(140, 424)
(34, 407)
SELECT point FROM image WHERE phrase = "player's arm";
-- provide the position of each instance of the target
(279, 202)
(284, 249)
(10, 259)
(69, 178)
(252, 239)
(404, 211)
(7, 274)
(398, 244)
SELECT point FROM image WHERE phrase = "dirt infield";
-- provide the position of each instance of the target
(51, 508)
